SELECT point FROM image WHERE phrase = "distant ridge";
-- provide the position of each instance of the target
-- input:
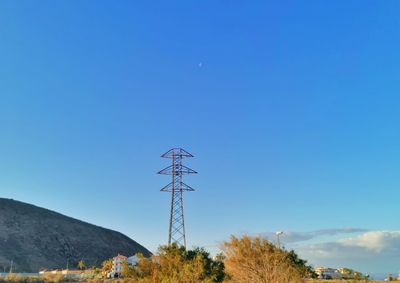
(36, 238)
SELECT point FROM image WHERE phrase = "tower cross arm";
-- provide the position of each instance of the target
(176, 152)
(184, 187)
(174, 170)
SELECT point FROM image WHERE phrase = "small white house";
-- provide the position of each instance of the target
(118, 264)
(328, 273)
(133, 260)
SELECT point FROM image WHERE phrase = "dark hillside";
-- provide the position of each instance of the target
(35, 238)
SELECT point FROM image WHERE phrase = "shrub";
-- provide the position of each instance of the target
(254, 259)
(173, 264)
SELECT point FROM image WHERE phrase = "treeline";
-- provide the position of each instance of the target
(245, 259)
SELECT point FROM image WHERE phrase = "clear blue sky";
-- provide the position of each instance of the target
(291, 109)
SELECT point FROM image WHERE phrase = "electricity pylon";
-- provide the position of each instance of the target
(177, 187)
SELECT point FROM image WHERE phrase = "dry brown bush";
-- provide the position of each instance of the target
(171, 266)
(254, 259)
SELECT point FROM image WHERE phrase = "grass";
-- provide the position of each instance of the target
(49, 278)
(346, 281)
(58, 278)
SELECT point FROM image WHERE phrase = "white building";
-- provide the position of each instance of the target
(118, 264)
(133, 260)
(328, 273)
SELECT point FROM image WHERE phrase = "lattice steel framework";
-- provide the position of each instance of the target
(177, 187)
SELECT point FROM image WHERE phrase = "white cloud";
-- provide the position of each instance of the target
(368, 251)
(294, 237)
(373, 251)
(375, 241)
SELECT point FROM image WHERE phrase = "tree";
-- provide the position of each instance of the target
(81, 265)
(389, 277)
(213, 268)
(254, 259)
(351, 274)
(106, 266)
(306, 270)
(174, 263)
(128, 271)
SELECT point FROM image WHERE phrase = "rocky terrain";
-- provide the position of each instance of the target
(35, 238)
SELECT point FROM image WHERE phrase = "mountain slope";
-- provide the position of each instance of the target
(35, 238)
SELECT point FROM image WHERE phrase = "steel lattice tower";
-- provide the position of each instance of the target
(177, 187)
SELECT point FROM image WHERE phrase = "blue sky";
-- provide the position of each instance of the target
(290, 108)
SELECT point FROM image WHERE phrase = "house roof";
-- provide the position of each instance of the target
(120, 256)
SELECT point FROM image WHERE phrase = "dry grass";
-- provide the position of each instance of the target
(59, 279)
(346, 281)
(49, 278)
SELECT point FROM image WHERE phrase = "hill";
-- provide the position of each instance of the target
(35, 238)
